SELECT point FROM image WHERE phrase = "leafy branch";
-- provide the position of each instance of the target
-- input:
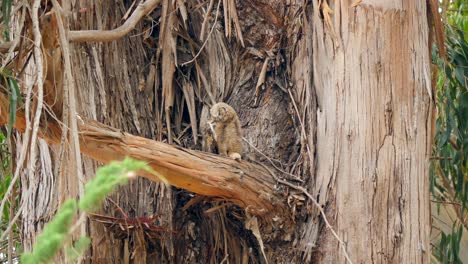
(449, 176)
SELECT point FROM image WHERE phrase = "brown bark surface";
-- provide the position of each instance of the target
(372, 79)
(247, 185)
(344, 108)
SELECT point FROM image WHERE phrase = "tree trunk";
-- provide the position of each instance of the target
(373, 130)
(345, 110)
(249, 186)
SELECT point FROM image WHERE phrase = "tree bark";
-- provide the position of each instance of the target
(371, 73)
(247, 185)
(345, 106)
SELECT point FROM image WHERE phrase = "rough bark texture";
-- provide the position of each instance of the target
(249, 186)
(344, 105)
(108, 75)
(373, 136)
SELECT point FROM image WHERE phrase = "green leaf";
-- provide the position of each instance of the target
(14, 83)
(13, 103)
(6, 12)
(452, 120)
(460, 75)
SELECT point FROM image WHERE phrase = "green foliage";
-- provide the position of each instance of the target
(449, 246)
(15, 97)
(459, 17)
(57, 232)
(449, 178)
(13, 201)
(6, 13)
(452, 122)
(4, 183)
(106, 180)
(8, 82)
(53, 235)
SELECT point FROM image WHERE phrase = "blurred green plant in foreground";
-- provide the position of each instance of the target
(57, 233)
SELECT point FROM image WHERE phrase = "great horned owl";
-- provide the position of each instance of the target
(226, 130)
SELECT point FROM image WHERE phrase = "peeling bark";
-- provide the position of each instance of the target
(374, 130)
(345, 105)
(244, 184)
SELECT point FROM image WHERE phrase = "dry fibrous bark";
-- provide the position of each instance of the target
(344, 105)
(109, 35)
(247, 185)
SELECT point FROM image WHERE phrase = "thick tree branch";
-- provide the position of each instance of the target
(247, 185)
(110, 35)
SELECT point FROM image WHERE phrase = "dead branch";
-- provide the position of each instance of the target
(324, 216)
(110, 35)
(245, 184)
(38, 55)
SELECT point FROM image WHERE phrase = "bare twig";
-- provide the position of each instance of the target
(303, 131)
(206, 40)
(12, 46)
(243, 183)
(25, 144)
(39, 84)
(12, 223)
(294, 177)
(15, 218)
(70, 85)
(23, 152)
(78, 223)
(261, 79)
(109, 35)
(205, 21)
(32, 154)
(445, 181)
(356, 3)
(10, 233)
(446, 202)
(322, 212)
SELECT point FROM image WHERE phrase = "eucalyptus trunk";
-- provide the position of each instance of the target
(337, 102)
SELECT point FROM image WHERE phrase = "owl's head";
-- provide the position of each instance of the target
(221, 112)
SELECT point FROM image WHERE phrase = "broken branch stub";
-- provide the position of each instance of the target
(245, 184)
(110, 35)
